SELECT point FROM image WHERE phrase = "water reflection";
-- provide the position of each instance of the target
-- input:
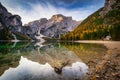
(47, 60)
(29, 70)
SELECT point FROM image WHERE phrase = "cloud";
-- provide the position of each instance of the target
(38, 10)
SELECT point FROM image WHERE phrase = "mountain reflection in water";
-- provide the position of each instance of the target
(29, 70)
(47, 61)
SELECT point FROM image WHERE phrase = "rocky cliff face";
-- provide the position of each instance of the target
(53, 28)
(10, 25)
(33, 28)
(107, 7)
(7, 19)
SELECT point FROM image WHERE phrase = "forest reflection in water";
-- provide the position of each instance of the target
(66, 61)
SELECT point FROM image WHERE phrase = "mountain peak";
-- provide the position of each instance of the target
(1, 6)
(7, 19)
(56, 26)
(58, 15)
(107, 7)
(57, 18)
(4, 11)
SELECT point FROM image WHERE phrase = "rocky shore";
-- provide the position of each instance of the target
(109, 66)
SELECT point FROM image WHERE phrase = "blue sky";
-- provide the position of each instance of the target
(31, 10)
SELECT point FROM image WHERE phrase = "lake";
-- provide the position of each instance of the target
(48, 61)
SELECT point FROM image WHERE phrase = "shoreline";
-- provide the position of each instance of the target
(108, 68)
(108, 44)
(96, 41)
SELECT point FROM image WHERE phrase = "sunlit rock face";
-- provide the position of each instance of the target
(29, 70)
(9, 20)
(107, 7)
(59, 25)
(57, 18)
(56, 26)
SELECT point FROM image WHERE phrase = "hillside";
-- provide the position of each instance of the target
(104, 22)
